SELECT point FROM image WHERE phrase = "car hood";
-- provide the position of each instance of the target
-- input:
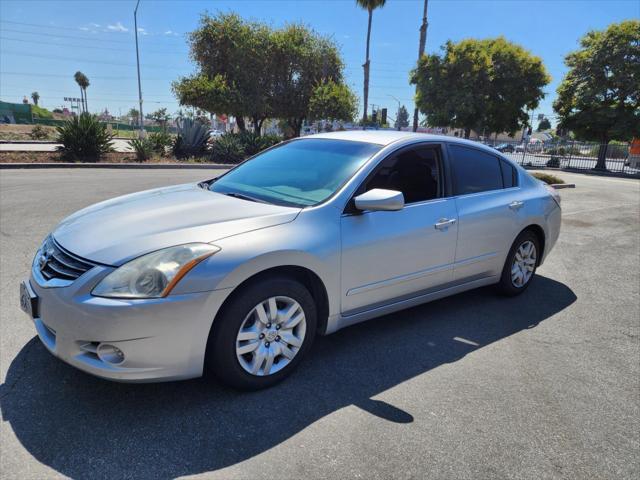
(117, 230)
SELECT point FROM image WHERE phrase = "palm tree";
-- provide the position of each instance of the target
(83, 82)
(35, 96)
(370, 6)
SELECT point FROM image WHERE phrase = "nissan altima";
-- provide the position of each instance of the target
(237, 274)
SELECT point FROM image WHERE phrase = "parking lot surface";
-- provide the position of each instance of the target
(545, 385)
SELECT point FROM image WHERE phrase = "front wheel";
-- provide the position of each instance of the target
(262, 334)
(521, 264)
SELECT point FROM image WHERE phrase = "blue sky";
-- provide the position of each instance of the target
(42, 43)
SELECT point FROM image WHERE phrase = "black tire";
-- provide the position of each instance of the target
(221, 357)
(506, 286)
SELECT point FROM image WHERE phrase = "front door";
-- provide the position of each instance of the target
(389, 256)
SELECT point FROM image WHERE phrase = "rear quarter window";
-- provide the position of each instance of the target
(509, 178)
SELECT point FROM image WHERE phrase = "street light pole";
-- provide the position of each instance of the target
(423, 41)
(135, 26)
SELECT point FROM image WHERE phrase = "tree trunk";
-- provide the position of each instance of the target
(81, 101)
(602, 154)
(86, 105)
(467, 133)
(257, 125)
(241, 125)
(366, 71)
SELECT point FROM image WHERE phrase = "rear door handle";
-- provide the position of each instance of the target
(444, 223)
(517, 205)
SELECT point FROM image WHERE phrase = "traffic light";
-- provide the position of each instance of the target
(384, 116)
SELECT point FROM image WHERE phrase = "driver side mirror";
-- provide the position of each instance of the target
(380, 199)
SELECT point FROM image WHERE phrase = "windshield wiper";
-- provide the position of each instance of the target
(243, 197)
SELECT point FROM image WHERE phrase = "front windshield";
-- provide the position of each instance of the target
(298, 173)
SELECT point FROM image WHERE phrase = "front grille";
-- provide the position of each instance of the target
(56, 262)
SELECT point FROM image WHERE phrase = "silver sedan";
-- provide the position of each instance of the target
(237, 274)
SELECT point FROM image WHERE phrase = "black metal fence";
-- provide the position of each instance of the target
(569, 155)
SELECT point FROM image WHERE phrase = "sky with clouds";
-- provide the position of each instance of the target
(42, 43)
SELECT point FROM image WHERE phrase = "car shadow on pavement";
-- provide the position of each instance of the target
(84, 427)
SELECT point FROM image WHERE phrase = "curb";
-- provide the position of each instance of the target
(592, 172)
(29, 142)
(560, 186)
(124, 166)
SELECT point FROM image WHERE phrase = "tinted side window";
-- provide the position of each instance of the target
(415, 173)
(508, 174)
(474, 171)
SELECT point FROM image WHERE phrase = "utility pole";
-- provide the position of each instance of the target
(423, 42)
(135, 26)
(397, 111)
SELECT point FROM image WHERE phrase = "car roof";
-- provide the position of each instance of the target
(386, 137)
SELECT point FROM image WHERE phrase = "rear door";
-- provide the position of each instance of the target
(489, 210)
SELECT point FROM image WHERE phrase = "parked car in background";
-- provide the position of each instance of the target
(237, 274)
(505, 148)
(213, 134)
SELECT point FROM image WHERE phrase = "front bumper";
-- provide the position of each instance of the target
(160, 339)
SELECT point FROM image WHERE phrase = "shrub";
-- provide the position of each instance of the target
(38, 132)
(84, 138)
(227, 149)
(191, 139)
(556, 151)
(547, 178)
(553, 162)
(160, 142)
(41, 112)
(142, 147)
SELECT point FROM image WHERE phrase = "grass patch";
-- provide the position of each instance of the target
(23, 132)
(547, 178)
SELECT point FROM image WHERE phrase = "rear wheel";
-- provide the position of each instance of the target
(262, 334)
(520, 266)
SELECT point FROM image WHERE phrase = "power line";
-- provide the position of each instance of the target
(55, 57)
(107, 100)
(66, 92)
(90, 47)
(75, 29)
(38, 74)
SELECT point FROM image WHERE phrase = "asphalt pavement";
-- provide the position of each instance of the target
(544, 385)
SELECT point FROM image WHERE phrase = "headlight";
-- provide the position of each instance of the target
(153, 275)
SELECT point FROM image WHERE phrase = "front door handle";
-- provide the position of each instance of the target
(517, 205)
(444, 223)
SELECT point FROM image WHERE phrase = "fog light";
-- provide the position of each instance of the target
(110, 354)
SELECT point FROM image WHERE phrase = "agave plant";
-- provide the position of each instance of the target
(84, 138)
(227, 149)
(142, 147)
(191, 139)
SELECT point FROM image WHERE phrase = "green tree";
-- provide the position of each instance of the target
(133, 113)
(333, 101)
(369, 6)
(544, 124)
(485, 85)
(161, 116)
(599, 98)
(234, 75)
(402, 119)
(303, 61)
(35, 96)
